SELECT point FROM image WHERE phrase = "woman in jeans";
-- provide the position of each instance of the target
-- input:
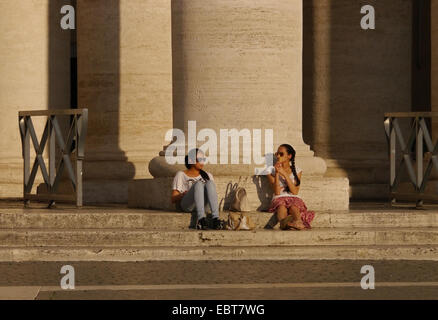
(194, 188)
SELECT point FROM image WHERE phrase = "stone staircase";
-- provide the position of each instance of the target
(121, 234)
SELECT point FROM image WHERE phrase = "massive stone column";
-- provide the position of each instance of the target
(125, 80)
(351, 78)
(238, 65)
(35, 54)
(434, 71)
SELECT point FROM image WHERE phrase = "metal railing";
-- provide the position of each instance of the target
(72, 148)
(419, 133)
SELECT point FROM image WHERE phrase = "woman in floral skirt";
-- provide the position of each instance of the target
(285, 179)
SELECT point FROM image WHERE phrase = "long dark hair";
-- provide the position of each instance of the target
(192, 155)
(291, 150)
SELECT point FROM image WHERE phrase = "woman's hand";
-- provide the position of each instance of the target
(280, 170)
(177, 196)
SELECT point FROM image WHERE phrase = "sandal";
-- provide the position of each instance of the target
(298, 228)
(284, 224)
(287, 224)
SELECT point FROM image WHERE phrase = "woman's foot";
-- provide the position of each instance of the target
(202, 224)
(284, 224)
(217, 224)
(289, 223)
(297, 225)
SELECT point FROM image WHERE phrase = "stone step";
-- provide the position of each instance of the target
(122, 254)
(159, 220)
(194, 238)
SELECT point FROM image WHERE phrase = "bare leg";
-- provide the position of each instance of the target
(283, 217)
(281, 213)
(297, 223)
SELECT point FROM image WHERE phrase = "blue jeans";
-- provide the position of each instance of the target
(200, 195)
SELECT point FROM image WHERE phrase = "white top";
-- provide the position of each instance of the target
(283, 184)
(183, 182)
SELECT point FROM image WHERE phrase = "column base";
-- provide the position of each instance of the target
(11, 191)
(408, 188)
(317, 192)
(96, 191)
(11, 180)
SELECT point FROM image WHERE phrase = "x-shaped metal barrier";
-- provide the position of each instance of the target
(419, 133)
(71, 149)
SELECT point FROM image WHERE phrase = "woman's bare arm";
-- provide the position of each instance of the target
(271, 179)
(274, 182)
(277, 189)
(177, 196)
(291, 185)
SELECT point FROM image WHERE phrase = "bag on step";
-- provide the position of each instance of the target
(239, 221)
(240, 201)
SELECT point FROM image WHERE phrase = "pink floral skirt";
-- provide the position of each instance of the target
(306, 216)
